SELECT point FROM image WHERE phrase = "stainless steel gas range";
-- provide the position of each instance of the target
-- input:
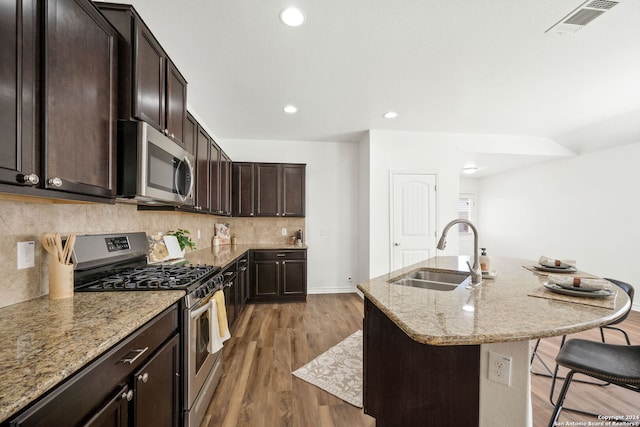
(118, 262)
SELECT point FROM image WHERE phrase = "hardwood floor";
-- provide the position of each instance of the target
(269, 341)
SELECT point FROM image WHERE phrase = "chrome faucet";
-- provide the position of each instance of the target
(476, 272)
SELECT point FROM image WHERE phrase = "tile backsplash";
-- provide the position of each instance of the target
(27, 221)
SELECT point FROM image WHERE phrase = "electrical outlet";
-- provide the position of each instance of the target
(284, 231)
(500, 368)
(26, 255)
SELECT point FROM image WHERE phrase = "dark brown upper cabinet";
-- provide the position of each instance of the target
(18, 102)
(213, 175)
(243, 189)
(80, 93)
(225, 184)
(58, 116)
(203, 142)
(151, 87)
(269, 189)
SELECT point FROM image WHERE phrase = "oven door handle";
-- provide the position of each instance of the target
(199, 311)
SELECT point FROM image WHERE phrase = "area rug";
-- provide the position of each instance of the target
(338, 370)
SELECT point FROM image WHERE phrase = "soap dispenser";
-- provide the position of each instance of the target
(485, 261)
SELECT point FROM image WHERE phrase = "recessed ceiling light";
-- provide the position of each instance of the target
(290, 109)
(469, 170)
(292, 17)
(390, 115)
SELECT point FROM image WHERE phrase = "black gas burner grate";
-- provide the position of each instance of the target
(151, 277)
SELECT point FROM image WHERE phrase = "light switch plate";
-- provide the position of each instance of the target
(284, 231)
(26, 255)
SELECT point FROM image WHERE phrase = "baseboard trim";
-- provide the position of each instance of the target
(341, 290)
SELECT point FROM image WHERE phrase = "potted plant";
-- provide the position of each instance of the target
(184, 240)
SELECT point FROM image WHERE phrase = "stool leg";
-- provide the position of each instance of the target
(558, 407)
(554, 377)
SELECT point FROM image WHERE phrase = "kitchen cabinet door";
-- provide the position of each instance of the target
(243, 282)
(79, 89)
(115, 413)
(18, 138)
(149, 78)
(243, 189)
(157, 388)
(176, 104)
(225, 184)
(202, 172)
(293, 190)
(294, 278)
(214, 177)
(267, 189)
(266, 276)
(190, 134)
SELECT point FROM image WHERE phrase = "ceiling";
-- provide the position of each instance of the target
(476, 67)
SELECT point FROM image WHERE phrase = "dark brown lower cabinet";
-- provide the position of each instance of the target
(114, 413)
(407, 383)
(280, 275)
(156, 388)
(133, 384)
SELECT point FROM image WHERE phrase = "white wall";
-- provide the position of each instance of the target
(583, 208)
(364, 197)
(408, 152)
(331, 204)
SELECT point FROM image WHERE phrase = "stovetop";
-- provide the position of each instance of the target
(118, 262)
(151, 277)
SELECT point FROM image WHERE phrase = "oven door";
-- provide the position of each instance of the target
(200, 362)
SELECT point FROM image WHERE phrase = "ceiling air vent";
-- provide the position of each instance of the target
(582, 15)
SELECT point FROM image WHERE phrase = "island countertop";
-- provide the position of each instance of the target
(43, 342)
(498, 310)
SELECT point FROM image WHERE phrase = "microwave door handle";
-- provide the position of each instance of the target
(199, 311)
(183, 197)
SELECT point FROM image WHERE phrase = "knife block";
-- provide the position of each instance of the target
(60, 279)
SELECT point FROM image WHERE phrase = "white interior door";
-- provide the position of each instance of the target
(413, 218)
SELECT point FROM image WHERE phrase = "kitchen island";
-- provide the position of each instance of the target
(429, 349)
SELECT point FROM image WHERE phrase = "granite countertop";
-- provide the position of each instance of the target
(42, 341)
(502, 310)
(224, 254)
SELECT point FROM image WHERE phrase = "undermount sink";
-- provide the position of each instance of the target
(437, 280)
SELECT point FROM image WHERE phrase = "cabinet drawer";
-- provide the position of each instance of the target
(87, 390)
(274, 255)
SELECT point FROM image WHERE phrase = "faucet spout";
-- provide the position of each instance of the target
(476, 272)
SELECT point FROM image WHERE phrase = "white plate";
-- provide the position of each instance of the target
(555, 269)
(602, 293)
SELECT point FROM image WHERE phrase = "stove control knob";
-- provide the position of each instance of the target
(144, 377)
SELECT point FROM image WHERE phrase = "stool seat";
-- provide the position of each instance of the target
(606, 362)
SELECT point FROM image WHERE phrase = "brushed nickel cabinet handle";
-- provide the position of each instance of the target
(144, 377)
(140, 352)
(127, 395)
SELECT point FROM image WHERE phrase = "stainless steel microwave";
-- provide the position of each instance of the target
(152, 168)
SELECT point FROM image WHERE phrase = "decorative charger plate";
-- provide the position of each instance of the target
(602, 293)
